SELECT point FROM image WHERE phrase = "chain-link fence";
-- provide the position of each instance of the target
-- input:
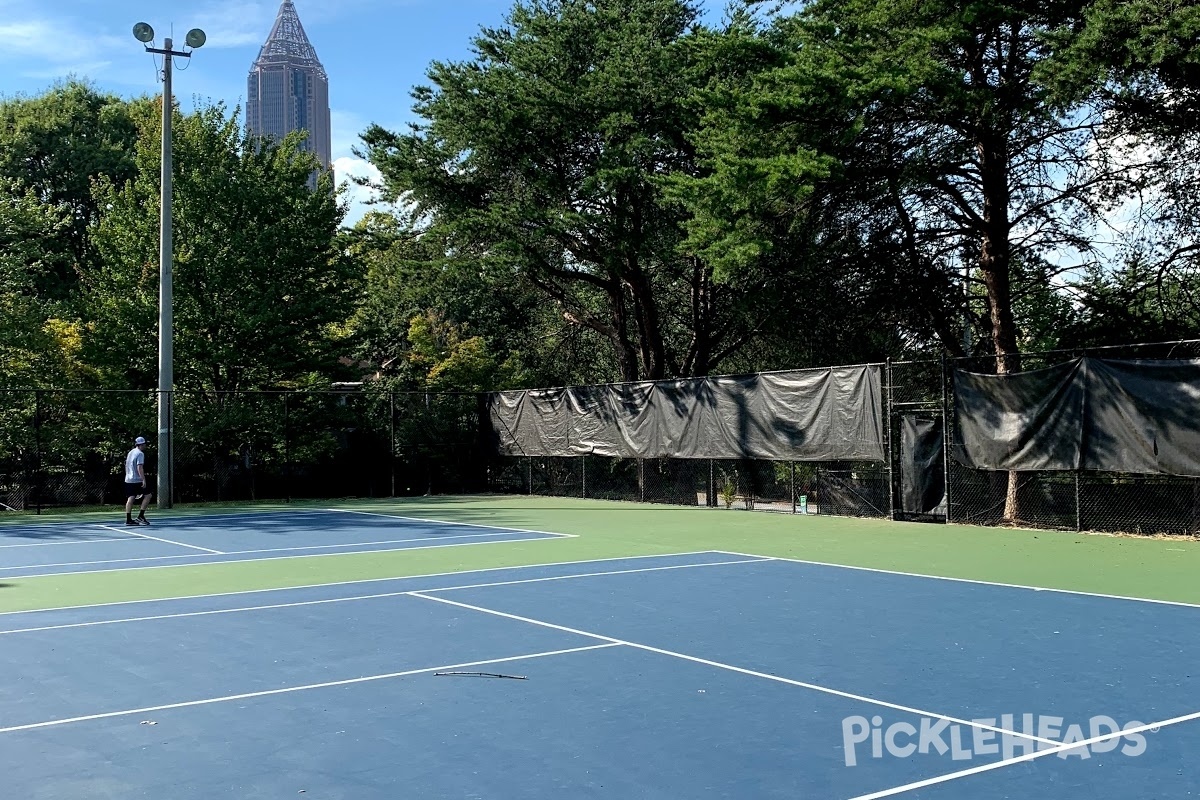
(66, 448)
(1075, 501)
(793, 487)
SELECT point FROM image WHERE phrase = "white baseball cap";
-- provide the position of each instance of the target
(139, 440)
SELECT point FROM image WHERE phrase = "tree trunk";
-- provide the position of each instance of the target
(627, 355)
(650, 336)
(696, 360)
(995, 263)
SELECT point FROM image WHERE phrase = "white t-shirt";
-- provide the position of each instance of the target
(135, 457)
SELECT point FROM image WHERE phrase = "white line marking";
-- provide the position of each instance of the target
(380, 596)
(1060, 748)
(595, 574)
(330, 584)
(970, 580)
(730, 667)
(131, 531)
(255, 560)
(4, 569)
(291, 689)
(75, 541)
(444, 521)
(177, 516)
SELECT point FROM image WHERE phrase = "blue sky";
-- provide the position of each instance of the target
(374, 50)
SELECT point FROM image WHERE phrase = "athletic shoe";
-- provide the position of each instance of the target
(143, 521)
(130, 522)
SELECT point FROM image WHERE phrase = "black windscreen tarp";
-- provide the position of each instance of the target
(1086, 414)
(801, 415)
(922, 470)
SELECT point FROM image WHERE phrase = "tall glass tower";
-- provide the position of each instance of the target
(288, 88)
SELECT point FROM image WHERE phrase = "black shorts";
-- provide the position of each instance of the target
(136, 490)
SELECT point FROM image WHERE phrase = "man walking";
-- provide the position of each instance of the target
(135, 483)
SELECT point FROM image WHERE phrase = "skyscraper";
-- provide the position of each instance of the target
(288, 88)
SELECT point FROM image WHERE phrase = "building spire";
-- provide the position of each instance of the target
(288, 41)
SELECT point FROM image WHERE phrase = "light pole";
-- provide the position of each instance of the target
(166, 361)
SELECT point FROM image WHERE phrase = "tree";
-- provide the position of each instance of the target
(260, 285)
(1140, 61)
(546, 156)
(26, 342)
(56, 146)
(949, 152)
(796, 187)
(416, 277)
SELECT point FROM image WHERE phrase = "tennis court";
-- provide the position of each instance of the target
(692, 674)
(94, 546)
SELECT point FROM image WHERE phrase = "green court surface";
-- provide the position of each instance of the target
(1160, 569)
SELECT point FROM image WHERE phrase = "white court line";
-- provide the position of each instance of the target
(1153, 727)
(970, 580)
(131, 531)
(291, 689)
(73, 541)
(445, 522)
(330, 584)
(380, 596)
(225, 516)
(76, 521)
(302, 548)
(730, 667)
(4, 576)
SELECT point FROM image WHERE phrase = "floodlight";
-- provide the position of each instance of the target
(143, 33)
(196, 38)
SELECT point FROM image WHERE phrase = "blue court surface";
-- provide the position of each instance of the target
(57, 548)
(701, 675)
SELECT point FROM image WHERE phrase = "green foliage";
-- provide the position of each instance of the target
(1137, 303)
(415, 275)
(728, 489)
(259, 284)
(1141, 56)
(543, 159)
(56, 146)
(34, 348)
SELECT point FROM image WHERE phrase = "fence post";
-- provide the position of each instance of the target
(891, 441)
(793, 483)
(709, 498)
(529, 472)
(947, 432)
(641, 480)
(583, 461)
(287, 452)
(1079, 513)
(37, 450)
(428, 453)
(172, 492)
(392, 438)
